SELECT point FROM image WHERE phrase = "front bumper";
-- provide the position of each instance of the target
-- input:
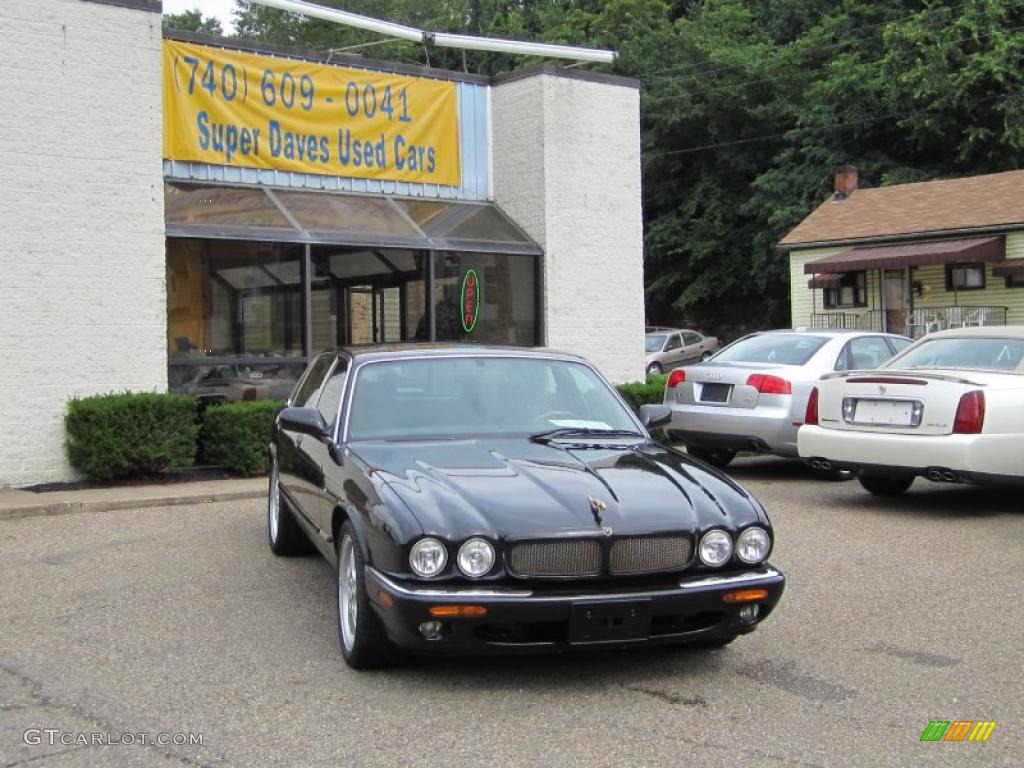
(524, 620)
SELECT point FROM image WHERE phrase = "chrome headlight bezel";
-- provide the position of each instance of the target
(715, 537)
(465, 551)
(744, 538)
(421, 546)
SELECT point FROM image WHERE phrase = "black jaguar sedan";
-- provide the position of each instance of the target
(481, 500)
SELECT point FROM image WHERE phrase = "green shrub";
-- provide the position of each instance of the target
(236, 435)
(131, 434)
(638, 393)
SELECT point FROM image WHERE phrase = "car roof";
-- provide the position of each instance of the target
(990, 331)
(407, 350)
(831, 332)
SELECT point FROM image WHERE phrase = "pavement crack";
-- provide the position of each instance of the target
(917, 657)
(37, 758)
(669, 698)
(48, 702)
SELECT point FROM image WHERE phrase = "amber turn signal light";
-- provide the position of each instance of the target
(746, 596)
(458, 611)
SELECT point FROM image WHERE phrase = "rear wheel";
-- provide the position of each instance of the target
(653, 369)
(883, 484)
(718, 457)
(283, 532)
(705, 356)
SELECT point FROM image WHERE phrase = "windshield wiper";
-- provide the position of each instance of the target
(554, 434)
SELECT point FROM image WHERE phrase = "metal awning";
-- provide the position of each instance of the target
(825, 281)
(226, 212)
(968, 249)
(1009, 268)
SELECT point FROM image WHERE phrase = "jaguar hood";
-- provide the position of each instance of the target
(510, 489)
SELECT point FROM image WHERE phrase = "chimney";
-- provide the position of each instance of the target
(845, 181)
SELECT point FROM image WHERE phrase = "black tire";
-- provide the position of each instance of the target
(713, 643)
(885, 484)
(654, 369)
(363, 641)
(705, 356)
(717, 457)
(285, 537)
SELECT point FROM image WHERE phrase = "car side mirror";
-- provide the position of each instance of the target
(655, 414)
(306, 421)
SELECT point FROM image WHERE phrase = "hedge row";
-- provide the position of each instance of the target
(638, 393)
(138, 434)
(135, 434)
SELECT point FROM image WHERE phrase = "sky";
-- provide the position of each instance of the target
(219, 8)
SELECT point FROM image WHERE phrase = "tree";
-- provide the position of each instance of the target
(192, 21)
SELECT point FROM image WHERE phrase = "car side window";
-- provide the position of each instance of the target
(864, 354)
(899, 344)
(691, 338)
(674, 342)
(305, 392)
(330, 392)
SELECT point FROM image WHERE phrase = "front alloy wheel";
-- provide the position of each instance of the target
(885, 484)
(364, 644)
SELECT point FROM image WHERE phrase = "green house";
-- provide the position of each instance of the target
(911, 258)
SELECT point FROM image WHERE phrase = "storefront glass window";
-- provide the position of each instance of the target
(485, 298)
(365, 296)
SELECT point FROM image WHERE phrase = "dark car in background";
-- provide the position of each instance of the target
(498, 500)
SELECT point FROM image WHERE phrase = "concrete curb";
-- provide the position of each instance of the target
(18, 510)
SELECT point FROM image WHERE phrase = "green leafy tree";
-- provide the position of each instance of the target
(192, 21)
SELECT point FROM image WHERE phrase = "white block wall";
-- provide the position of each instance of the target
(82, 299)
(566, 157)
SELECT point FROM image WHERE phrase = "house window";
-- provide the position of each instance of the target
(1015, 281)
(852, 291)
(965, 277)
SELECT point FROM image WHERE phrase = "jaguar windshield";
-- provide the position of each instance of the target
(451, 397)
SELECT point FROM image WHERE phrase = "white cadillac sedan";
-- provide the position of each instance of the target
(949, 408)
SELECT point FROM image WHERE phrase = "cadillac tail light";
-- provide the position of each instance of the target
(767, 384)
(677, 377)
(970, 414)
(811, 416)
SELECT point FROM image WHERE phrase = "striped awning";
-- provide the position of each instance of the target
(962, 250)
(825, 280)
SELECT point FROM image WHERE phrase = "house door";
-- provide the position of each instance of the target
(896, 309)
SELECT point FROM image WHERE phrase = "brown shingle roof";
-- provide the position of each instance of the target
(991, 200)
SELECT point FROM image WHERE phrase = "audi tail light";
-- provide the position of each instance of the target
(767, 384)
(677, 377)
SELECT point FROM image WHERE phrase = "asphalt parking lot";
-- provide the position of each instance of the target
(178, 620)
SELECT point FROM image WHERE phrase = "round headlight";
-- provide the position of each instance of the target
(476, 557)
(715, 547)
(752, 545)
(428, 557)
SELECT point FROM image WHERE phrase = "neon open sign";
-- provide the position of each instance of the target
(470, 301)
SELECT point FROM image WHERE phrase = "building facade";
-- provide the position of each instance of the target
(911, 258)
(203, 215)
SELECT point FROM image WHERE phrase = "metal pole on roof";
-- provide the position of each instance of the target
(441, 39)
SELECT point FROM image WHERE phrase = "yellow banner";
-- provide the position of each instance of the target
(240, 109)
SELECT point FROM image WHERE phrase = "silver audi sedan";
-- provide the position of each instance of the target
(752, 395)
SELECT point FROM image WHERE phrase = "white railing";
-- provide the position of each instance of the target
(923, 320)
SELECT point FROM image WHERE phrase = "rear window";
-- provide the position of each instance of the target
(975, 353)
(778, 348)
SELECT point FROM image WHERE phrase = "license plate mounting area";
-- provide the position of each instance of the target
(602, 621)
